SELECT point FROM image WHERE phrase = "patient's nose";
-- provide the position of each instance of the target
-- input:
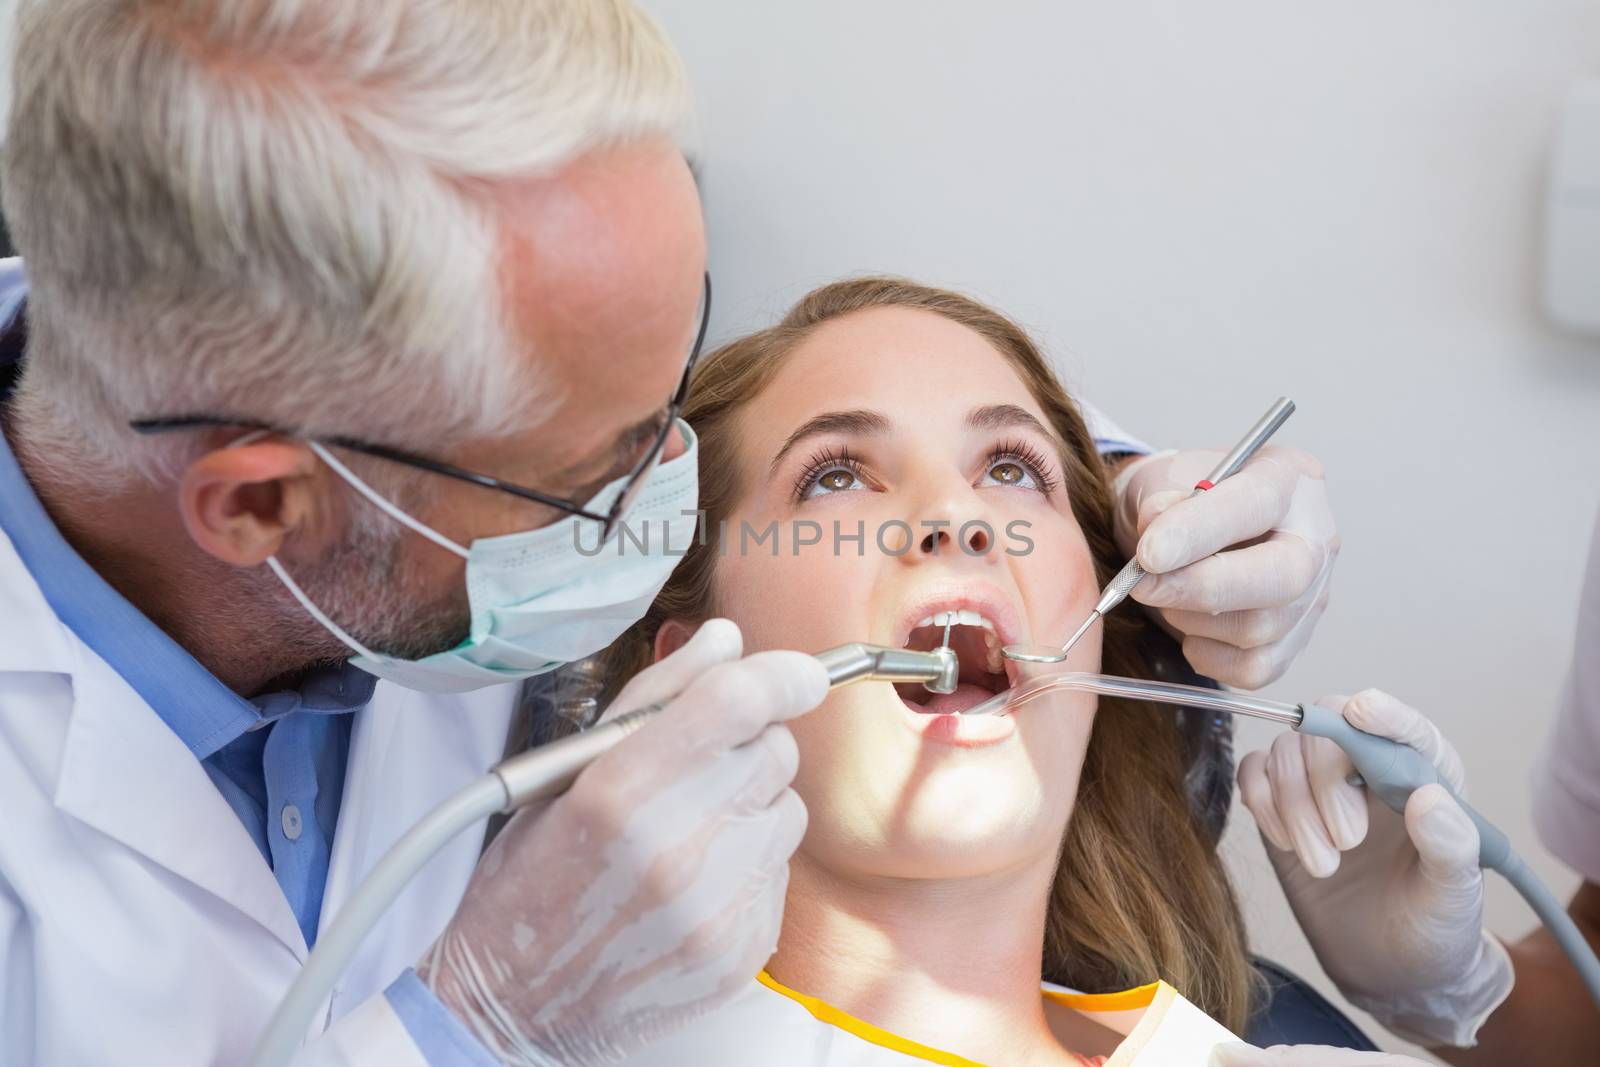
(974, 539)
(674, 446)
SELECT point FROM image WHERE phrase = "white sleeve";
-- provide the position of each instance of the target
(371, 1035)
(1566, 781)
(1108, 436)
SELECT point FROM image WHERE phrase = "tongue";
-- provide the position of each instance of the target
(966, 696)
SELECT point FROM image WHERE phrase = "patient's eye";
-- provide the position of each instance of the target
(1020, 466)
(836, 479)
(1009, 473)
(828, 472)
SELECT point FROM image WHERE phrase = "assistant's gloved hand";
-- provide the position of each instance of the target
(1239, 572)
(652, 890)
(1242, 1055)
(1392, 906)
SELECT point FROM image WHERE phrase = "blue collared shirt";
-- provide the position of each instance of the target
(278, 759)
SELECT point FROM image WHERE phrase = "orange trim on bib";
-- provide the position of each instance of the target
(827, 1013)
(1122, 1000)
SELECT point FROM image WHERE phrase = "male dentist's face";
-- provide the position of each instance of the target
(602, 274)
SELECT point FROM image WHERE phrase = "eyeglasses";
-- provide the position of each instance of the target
(609, 520)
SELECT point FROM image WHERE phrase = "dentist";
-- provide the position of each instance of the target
(345, 327)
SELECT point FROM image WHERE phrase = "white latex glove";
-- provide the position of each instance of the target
(1392, 906)
(652, 890)
(1240, 572)
(1242, 1055)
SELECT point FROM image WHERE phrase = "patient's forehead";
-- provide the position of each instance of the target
(919, 368)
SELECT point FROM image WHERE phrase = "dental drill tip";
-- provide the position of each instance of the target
(949, 621)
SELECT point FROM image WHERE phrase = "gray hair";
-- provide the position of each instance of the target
(281, 210)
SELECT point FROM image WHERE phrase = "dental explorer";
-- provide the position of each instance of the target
(1117, 590)
(1391, 770)
(542, 773)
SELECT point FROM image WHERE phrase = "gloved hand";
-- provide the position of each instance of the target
(1242, 1055)
(652, 890)
(1392, 906)
(1245, 613)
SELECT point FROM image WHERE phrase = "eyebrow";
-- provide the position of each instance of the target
(1005, 417)
(860, 422)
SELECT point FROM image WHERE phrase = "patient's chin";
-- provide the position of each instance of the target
(883, 802)
(958, 857)
(958, 834)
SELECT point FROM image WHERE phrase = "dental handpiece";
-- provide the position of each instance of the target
(1117, 590)
(548, 771)
(1391, 770)
(541, 773)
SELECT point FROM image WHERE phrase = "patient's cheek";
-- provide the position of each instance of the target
(1056, 579)
(809, 602)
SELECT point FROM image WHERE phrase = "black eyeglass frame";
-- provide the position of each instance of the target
(637, 478)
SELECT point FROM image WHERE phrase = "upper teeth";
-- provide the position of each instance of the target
(992, 661)
(956, 618)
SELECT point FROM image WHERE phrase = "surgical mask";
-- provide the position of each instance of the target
(542, 597)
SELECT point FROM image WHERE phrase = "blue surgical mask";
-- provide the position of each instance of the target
(542, 597)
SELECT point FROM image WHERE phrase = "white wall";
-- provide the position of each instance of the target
(1201, 206)
(8, 30)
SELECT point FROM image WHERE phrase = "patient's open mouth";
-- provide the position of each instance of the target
(976, 642)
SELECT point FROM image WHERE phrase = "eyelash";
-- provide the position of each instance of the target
(822, 462)
(827, 460)
(1031, 458)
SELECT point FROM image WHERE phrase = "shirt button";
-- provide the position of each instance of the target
(291, 822)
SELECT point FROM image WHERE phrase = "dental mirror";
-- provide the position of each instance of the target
(1033, 653)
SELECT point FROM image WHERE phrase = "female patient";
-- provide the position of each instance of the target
(919, 457)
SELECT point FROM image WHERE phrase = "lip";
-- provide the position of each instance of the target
(957, 731)
(961, 731)
(985, 599)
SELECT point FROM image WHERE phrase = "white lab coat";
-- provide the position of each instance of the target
(139, 923)
(1566, 781)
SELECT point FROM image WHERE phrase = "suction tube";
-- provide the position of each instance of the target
(1391, 770)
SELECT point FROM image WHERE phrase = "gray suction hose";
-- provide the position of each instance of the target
(542, 773)
(1394, 771)
(1391, 770)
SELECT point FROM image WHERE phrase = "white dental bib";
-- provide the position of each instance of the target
(775, 1026)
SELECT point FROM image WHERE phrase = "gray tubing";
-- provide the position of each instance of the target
(540, 773)
(1394, 771)
(287, 1029)
(1556, 920)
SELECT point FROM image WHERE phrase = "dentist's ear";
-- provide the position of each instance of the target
(240, 504)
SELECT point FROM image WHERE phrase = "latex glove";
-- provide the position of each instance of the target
(1392, 905)
(652, 890)
(1240, 572)
(1242, 1055)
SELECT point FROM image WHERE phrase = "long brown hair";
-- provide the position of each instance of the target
(1140, 891)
